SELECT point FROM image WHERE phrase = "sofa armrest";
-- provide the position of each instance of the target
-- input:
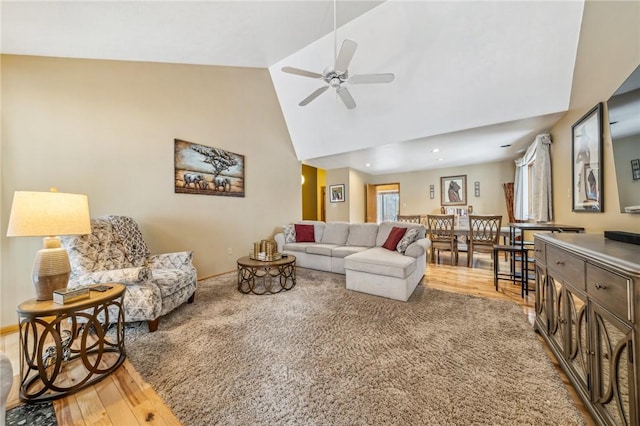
(279, 237)
(177, 260)
(123, 276)
(418, 247)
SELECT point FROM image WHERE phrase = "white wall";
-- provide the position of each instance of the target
(106, 129)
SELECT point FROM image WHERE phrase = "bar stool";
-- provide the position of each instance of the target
(513, 251)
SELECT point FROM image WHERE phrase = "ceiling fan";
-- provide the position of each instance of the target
(339, 75)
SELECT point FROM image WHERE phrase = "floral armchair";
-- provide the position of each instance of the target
(115, 251)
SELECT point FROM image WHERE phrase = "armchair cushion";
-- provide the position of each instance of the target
(177, 260)
(124, 276)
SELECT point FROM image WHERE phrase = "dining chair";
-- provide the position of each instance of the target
(484, 232)
(409, 218)
(440, 230)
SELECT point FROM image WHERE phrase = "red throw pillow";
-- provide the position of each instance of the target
(304, 234)
(394, 237)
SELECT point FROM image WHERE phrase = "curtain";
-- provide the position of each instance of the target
(539, 153)
(508, 196)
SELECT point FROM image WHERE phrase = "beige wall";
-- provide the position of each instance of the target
(357, 200)
(608, 51)
(414, 188)
(338, 211)
(106, 129)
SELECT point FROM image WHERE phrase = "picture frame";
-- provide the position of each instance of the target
(203, 170)
(336, 193)
(432, 192)
(586, 162)
(453, 190)
(476, 189)
(635, 169)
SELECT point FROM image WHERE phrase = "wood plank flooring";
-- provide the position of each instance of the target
(124, 398)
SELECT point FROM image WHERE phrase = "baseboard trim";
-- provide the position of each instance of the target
(213, 275)
(8, 329)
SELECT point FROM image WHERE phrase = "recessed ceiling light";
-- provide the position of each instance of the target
(435, 150)
(368, 164)
(440, 159)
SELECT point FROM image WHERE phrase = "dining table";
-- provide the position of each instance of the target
(522, 227)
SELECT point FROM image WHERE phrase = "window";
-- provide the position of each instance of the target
(388, 205)
(533, 187)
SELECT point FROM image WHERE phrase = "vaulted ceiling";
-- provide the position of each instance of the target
(470, 76)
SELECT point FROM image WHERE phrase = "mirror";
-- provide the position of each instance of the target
(624, 122)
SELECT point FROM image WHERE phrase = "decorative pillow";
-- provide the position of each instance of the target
(394, 238)
(304, 234)
(289, 234)
(410, 236)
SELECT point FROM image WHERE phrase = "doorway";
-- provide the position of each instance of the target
(383, 202)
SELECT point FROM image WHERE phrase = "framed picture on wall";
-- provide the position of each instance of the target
(453, 190)
(205, 170)
(336, 193)
(586, 164)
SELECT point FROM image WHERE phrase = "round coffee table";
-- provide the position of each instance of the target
(261, 277)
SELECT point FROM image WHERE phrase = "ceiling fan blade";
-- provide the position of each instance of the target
(303, 73)
(346, 97)
(371, 78)
(314, 95)
(347, 51)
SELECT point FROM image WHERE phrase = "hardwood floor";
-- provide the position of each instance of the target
(124, 398)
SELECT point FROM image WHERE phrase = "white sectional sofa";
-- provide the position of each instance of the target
(355, 249)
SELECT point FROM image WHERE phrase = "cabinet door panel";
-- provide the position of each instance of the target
(578, 350)
(542, 317)
(557, 314)
(612, 367)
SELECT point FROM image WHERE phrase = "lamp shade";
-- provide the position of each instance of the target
(42, 214)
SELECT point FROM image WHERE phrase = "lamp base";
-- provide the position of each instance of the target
(45, 286)
(51, 271)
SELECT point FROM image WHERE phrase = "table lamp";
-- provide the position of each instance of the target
(49, 214)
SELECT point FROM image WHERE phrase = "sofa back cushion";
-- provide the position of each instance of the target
(362, 234)
(385, 228)
(335, 233)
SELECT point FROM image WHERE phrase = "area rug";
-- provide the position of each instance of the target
(41, 414)
(321, 354)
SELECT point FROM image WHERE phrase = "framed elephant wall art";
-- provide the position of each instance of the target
(201, 169)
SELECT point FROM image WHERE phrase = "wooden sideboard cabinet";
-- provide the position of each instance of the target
(587, 300)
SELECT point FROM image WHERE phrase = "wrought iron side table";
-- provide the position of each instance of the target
(65, 348)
